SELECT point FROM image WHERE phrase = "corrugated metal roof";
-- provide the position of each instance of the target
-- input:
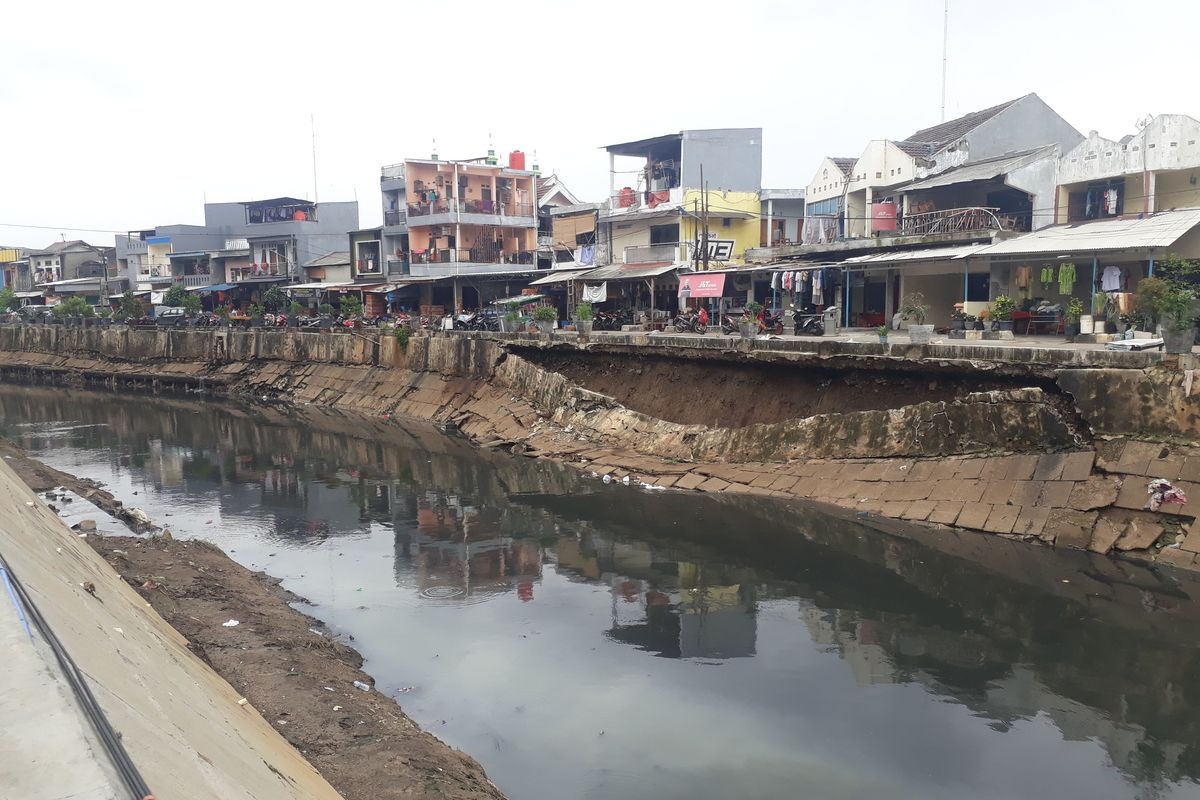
(616, 272)
(1159, 230)
(980, 171)
(560, 276)
(924, 254)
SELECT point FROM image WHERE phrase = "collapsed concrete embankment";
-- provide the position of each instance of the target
(1001, 440)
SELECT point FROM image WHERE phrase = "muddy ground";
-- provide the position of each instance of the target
(736, 395)
(299, 677)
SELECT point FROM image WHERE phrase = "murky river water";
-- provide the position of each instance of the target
(591, 641)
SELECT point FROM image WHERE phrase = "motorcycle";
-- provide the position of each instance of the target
(771, 323)
(689, 322)
(811, 324)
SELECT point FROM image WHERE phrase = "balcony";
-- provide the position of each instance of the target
(135, 247)
(959, 220)
(474, 255)
(633, 202)
(391, 177)
(656, 253)
(190, 281)
(397, 266)
(394, 218)
(472, 212)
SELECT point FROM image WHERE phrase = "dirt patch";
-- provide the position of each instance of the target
(724, 394)
(300, 678)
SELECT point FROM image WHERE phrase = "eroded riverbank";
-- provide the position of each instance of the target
(564, 632)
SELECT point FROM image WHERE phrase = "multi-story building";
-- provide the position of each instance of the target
(144, 257)
(459, 217)
(657, 192)
(14, 268)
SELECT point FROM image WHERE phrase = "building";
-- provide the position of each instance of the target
(282, 234)
(14, 268)
(657, 189)
(552, 195)
(144, 256)
(782, 217)
(1156, 169)
(68, 260)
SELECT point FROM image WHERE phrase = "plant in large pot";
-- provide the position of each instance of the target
(1002, 309)
(1177, 316)
(223, 312)
(545, 317)
(511, 322)
(256, 315)
(882, 330)
(959, 319)
(748, 325)
(75, 309)
(295, 309)
(916, 310)
(583, 319)
(326, 312)
(1074, 312)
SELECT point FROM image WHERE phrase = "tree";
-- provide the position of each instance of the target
(274, 300)
(74, 307)
(351, 306)
(191, 303)
(9, 300)
(176, 296)
(129, 307)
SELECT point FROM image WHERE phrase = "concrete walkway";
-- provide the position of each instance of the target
(44, 730)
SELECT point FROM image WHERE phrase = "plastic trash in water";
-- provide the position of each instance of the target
(625, 480)
(607, 479)
(361, 685)
(233, 623)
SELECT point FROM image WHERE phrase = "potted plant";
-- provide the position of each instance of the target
(583, 319)
(545, 317)
(256, 315)
(511, 322)
(915, 308)
(1177, 316)
(326, 312)
(293, 315)
(882, 330)
(223, 311)
(1122, 322)
(105, 313)
(748, 324)
(1002, 311)
(959, 319)
(1074, 312)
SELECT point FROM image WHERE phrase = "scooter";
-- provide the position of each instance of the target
(810, 324)
(690, 322)
(772, 323)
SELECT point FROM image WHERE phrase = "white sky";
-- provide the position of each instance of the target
(127, 115)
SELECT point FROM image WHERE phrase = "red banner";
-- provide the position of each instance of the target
(703, 285)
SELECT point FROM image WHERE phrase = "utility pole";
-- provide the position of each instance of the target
(312, 126)
(704, 218)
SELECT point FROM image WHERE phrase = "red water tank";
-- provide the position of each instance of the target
(516, 160)
(883, 217)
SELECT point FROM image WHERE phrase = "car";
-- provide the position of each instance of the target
(170, 316)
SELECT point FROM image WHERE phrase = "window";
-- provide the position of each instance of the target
(878, 175)
(977, 287)
(664, 234)
(726, 222)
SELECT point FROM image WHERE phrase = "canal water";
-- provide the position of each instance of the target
(584, 640)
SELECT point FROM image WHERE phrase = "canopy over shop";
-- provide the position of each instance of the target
(647, 291)
(237, 296)
(874, 285)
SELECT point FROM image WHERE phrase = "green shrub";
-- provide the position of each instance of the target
(1003, 307)
(583, 312)
(915, 308)
(545, 314)
(352, 306)
(753, 307)
(256, 311)
(403, 334)
(74, 307)
(128, 308)
(274, 300)
(176, 296)
(1074, 309)
(325, 309)
(295, 309)
(9, 300)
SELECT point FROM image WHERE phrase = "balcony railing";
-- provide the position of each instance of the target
(23, 284)
(135, 246)
(391, 172)
(652, 253)
(194, 280)
(485, 207)
(155, 272)
(958, 220)
(474, 255)
(395, 217)
(397, 266)
(634, 200)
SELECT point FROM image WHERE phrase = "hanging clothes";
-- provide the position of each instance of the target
(595, 292)
(776, 281)
(1110, 280)
(1066, 278)
(818, 290)
(1023, 277)
(1047, 277)
(1110, 202)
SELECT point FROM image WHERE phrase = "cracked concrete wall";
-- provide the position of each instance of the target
(1156, 403)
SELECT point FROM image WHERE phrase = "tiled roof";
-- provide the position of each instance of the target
(915, 149)
(844, 164)
(944, 133)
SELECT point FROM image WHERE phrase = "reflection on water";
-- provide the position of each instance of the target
(595, 641)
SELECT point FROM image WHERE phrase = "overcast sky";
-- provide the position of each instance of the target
(123, 116)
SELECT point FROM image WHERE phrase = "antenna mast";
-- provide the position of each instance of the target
(945, 44)
(312, 124)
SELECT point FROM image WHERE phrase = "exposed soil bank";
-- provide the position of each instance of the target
(733, 395)
(361, 742)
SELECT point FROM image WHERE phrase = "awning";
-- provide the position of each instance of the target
(316, 285)
(702, 285)
(618, 272)
(27, 295)
(215, 287)
(1158, 230)
(519, 300)
(907, 256)
(560, 276)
